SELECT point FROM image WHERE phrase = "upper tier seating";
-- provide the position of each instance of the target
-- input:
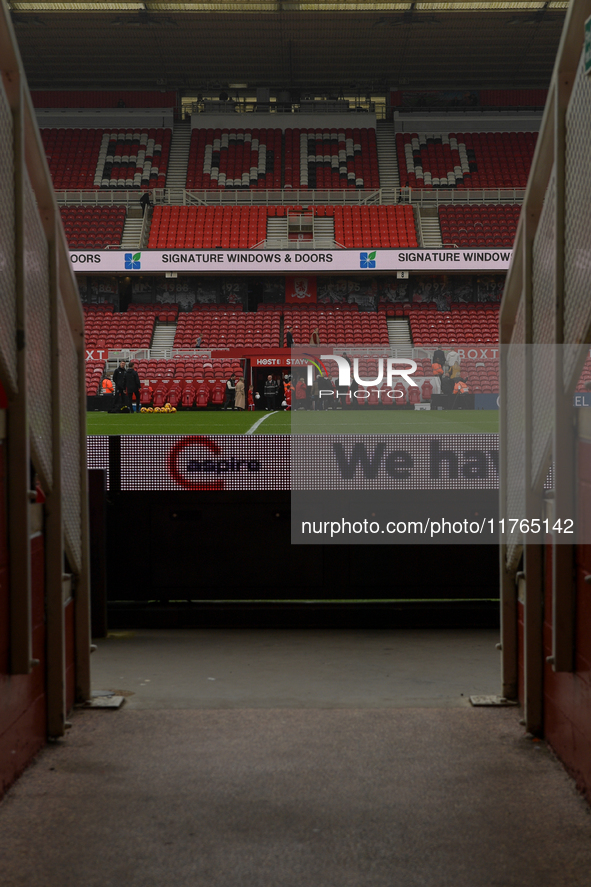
(313, 159)
(465, 160)
(197, 368)
(464, 326)
(337, 327)
(489, 225)
(375, 226)
(94, 374)
(94, 227)
(177, 227)
(228, 329)
(89, 159)
(133, 329)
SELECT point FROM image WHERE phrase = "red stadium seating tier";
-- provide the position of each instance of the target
(359, 227)
(585, 377)
(447, 328)
(133, 329)
(90, 159)
(228, 329)
(191, 227)
(367, 328)
(94, 374)
(489, 225)
(195, 369)
(312, 159)
(465, 160)
(93, 227)
(481, 376)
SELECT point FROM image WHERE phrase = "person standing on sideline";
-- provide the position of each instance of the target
(289, 338)
(239, 399)
(107, 385)
(145, 202)
(133, 385)
(230, 393)
(271, 388)
(119, 382)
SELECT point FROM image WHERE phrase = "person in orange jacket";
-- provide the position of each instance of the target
(460, 387)
(107, 386)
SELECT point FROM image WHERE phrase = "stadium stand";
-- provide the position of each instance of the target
(131, 329)
(314, 159)
(375, 226)
(228, 329)
(337, 327)
(472, 325)
(585, 376)
(465, 160)
(90, 159)
(96, 227)
(94, 374)
(490, 225)
(207, 227)
(193, 369)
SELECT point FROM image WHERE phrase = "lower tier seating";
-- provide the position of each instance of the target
(490, 225)
(94, 374)
(447, 328)
(228, 329)
(358, 227)
(132, 329)
(228, 227)
(336, 327)
(93, 227)
(195, 369)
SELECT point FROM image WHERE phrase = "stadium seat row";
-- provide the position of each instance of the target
(93, 227)
(454, 327)
(490, 225)
(311, 159)
(464, 160)
(90, 159)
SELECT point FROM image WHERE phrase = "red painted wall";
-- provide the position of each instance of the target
(22, 697)
(567, 696)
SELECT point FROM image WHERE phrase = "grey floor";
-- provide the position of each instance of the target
(296, 759)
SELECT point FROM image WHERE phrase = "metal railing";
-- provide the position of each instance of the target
(256, 197)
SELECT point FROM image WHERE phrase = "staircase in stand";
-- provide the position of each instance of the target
(178, 161)
(387, 161)
(162, 339)
(430, 230)
(132, 230)
(399, 331)
(276, 232)
(323, 232)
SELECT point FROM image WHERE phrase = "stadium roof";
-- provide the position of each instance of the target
(363, 47)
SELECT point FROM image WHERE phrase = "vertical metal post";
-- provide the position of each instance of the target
(54, 548)
(82, 594)
(563, 584)
(533, 645)
(19, 463)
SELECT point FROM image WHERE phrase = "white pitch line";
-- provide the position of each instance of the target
(254, 427)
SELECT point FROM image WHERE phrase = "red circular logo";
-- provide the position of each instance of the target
(175, 471)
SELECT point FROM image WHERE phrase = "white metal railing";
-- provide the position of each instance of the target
(256, 197)
(286, 243)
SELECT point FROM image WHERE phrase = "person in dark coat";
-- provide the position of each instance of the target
(289, 338)
(119, 383)
(145, 202)
(230, 393)
(271, 389)
(133, 385)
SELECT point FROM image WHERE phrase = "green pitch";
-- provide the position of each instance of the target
(362, 421)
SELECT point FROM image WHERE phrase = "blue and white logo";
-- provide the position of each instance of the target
(132, 261)
(367, 260)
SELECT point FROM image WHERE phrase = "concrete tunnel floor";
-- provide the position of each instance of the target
(296, 759)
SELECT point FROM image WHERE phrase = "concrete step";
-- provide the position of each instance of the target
(176, 177)
(387, 160)
(399, 331)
